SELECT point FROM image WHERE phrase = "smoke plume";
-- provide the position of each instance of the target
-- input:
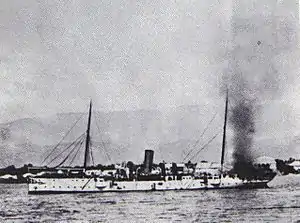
(255, 74)
(243, 112)
(242, 120)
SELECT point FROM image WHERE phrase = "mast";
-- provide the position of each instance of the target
(224, 131)
(87, 141)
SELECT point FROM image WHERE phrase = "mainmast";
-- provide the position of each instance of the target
(224, 131)
(87, 141)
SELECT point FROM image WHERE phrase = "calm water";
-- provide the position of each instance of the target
(264, 205)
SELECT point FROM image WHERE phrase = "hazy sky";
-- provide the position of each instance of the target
(55, 55)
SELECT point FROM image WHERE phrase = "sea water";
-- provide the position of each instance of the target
(277, 204)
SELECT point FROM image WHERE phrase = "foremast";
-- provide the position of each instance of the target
(87, 141)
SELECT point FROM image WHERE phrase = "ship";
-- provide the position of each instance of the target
(148, 176)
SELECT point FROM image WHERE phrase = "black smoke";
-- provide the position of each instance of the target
(256, 70)
(243, 113)
(242, 120)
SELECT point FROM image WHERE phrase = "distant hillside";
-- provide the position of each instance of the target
(125, 134)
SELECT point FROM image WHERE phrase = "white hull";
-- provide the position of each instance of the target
(93, 185)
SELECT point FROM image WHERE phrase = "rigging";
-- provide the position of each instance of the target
(64, 160)
(65, 149)
(52, 151)
(196, 143)
(76, 153)
(103, 144)
(207, 144)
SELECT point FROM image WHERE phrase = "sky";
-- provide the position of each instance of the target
(129, 55)
(55, 55)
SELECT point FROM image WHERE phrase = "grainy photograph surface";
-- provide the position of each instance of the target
(149, 111)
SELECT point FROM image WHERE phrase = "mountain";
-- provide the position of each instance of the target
(122, 134)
